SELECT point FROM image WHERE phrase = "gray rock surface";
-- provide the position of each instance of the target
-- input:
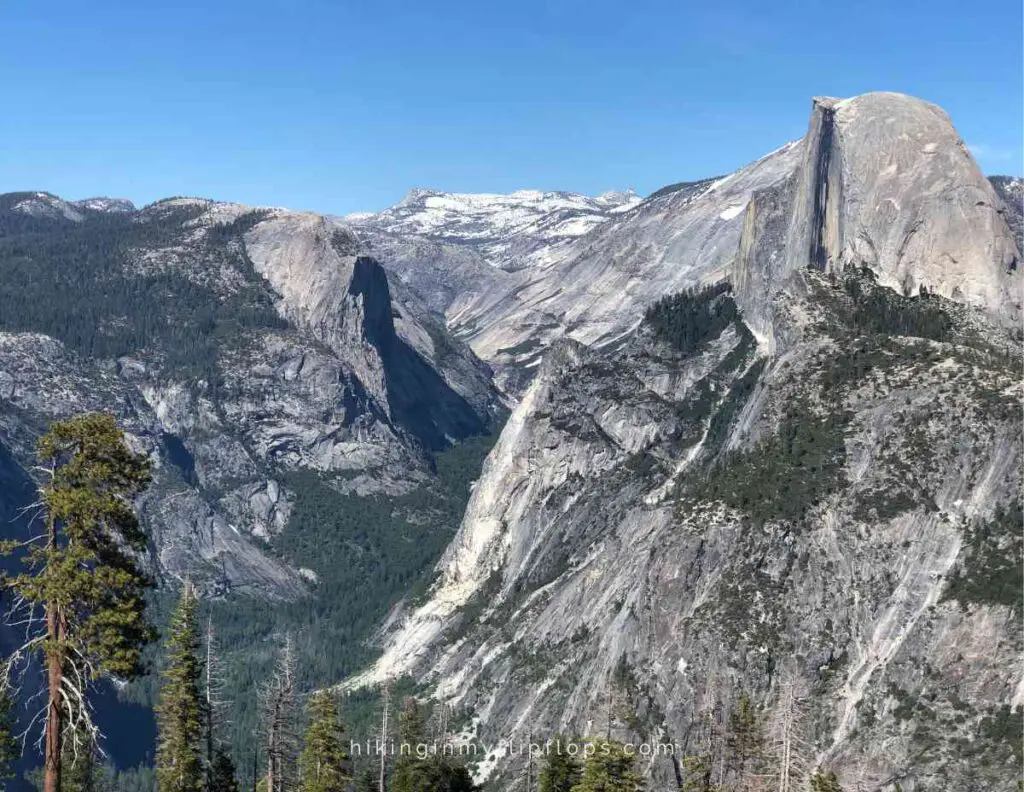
(612, 549)
(48, 383)
(592, 541)
(883, 180)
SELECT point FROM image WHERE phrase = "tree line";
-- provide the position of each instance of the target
(732, 753)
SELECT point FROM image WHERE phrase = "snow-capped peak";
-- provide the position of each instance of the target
(104, 204)
(48, 206)
(507, 227)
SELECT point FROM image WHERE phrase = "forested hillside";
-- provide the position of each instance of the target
(160, 317)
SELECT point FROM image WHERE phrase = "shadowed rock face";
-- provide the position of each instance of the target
(1010, 190)
(893, 186)
(345, 301)
(812, 500)
(821, 143)
(419, 399)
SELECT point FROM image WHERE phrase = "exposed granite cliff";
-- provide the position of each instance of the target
(822, 496)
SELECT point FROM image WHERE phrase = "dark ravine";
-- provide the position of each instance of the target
(825, 119)
(420, 401)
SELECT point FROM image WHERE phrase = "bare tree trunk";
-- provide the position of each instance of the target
(278, 713)
(272, 749)
(209, 696)
(529, 761)
(790, 748)
(384, 737)
(55, 674)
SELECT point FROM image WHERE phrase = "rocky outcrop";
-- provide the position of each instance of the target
(881, 180)
(891, 185)
(795, 504)
(344, 301)
(192, 537)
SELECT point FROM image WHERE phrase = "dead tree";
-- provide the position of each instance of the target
(279, 722)
(217, 704)
(385, 712)
(790, 750)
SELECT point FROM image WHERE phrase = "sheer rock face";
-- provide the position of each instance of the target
(591, 542)
(1010, 190)
(581, 551)
(602, 535)
(344, 301)
(596, 289)
(349, 383)
(887, 182)
(50, 383)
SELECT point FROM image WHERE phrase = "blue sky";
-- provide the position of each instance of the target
(342, 106)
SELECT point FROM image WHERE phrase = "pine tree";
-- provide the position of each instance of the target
(609, 769)
(560, 772)
(825, 781)
(697, 772)
(82, 573)
(222, 777)
(8, 744)
(443, 775)
(411, 771)
(367, 781)
(180, 713)
(745, 739)
(323, 765)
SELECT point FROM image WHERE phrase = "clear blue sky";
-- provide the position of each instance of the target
(340, 106)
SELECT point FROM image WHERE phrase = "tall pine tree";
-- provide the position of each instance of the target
(745, 740)
(561, 771)
(221, 777)
(82, 573)
(411, 773)
(8, 743)
(323, 765)
(180, 713)
(609, 768)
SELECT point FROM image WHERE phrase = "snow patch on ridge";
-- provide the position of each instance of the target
(733, 211)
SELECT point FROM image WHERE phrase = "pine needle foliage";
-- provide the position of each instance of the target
(180, 713)
(560, 771)
(222, 776)
(81, 588)
(609, 768)
(324, 763)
